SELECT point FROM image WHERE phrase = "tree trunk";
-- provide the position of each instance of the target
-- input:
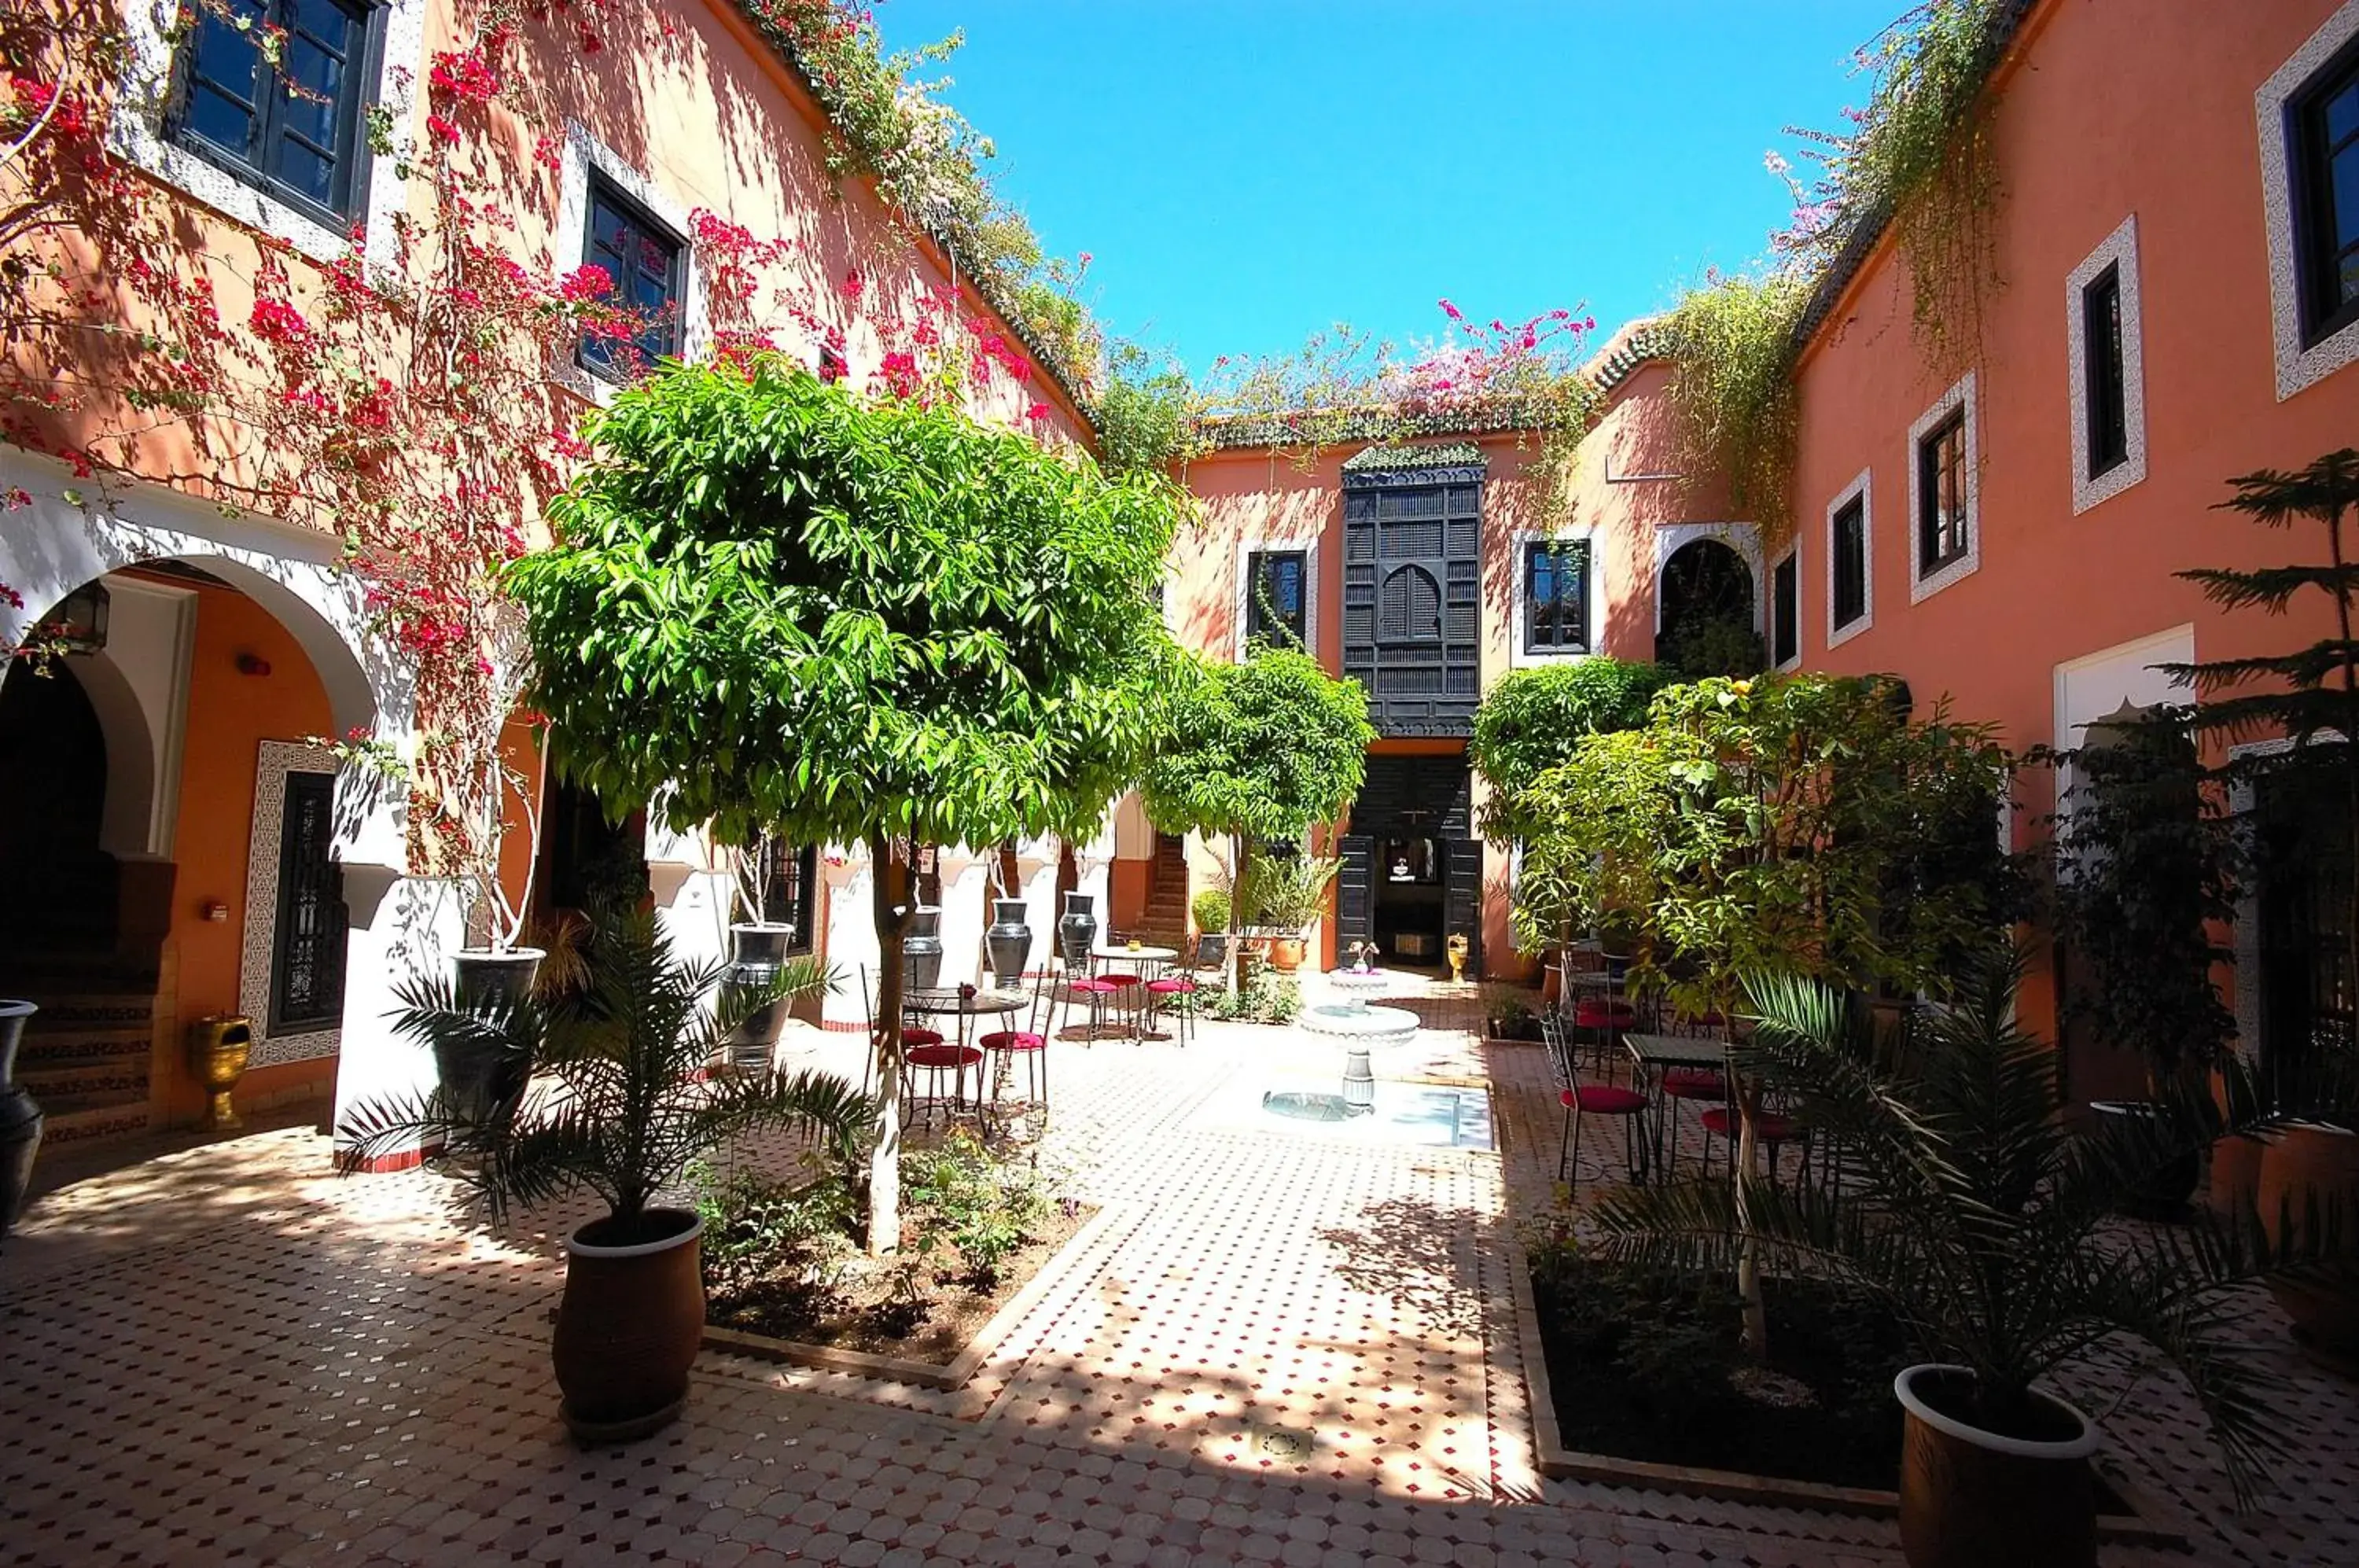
(889, 880)
(1748, 1261)
(1236, 914)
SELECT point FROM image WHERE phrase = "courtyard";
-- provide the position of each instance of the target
(1290, 1344)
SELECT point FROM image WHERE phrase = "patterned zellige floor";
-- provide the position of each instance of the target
(1289, 1345)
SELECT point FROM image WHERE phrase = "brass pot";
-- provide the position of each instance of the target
(219, 1049)
(629, 1324)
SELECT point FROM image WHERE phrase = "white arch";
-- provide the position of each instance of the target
(1745, 538)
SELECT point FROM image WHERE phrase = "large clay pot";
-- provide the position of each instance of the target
(20, 1118)
(1008, 941)
(629, 1324)
(757, 954)
(1077, 931)
(2166, 1192)
(921, 950)
(1973, 1499)
(2309, 1163)
(1287, 954)
(2235, 1172)
(483, 1082)
(1212, 949)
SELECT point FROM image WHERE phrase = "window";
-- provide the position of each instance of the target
(291, 128)
(1847, 539)
(791, 898)
(306, 961)
(1556, 596)
(642, 258)
(1785, 611)
(2102, 384)
(1277, 597)
(2326, 198)
(1942, 495)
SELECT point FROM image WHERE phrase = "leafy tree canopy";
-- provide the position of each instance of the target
(779, 605)
(1531, 721)
(1796, 825)
(1264, 748)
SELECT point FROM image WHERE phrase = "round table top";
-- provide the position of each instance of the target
(1142, 954)
(947, 999)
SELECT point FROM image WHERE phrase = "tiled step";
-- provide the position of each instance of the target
(85, 1055)
(77, 1119)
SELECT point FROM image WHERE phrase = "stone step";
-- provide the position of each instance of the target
(82, 1120)
(91, 1010)
(60, 1083)
(78, 1046)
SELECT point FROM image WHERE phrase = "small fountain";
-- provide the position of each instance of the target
(1360, 1028)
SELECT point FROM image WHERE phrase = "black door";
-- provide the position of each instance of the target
(2305, 854)
(1354, 905)
(307, 967)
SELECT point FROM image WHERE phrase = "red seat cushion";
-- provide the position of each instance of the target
(1604, 1015)
(1171, 987)
(1096, 988)
(1013, 1040)
(916, 1037)
(1604, 1100)
(1769, 1125)
(1694, 1084)
(944, 1056)
(1117, 980)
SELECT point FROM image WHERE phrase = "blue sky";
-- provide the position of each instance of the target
(1245, 172)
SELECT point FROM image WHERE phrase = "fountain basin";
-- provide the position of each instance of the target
(1357, 1023)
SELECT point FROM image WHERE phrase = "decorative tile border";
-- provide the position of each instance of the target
(276, 760)
(2297, 366)
(2118, 250)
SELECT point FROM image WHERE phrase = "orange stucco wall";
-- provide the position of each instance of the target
(230, 714)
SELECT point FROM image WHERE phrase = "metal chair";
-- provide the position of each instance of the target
(1177, 992)
(1031, 1044)
(923, 1050)
(1581, 1100)
(1088, 991)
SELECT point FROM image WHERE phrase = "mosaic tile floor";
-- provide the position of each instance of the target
(1285, 1347)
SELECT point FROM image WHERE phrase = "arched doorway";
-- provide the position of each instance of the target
(1707, 623)
(170, 835)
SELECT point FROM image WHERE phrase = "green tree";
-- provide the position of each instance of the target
(1534, 717)
(2313, 690)
(779, 605)
(1256, 751)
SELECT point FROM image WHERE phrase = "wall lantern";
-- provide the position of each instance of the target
(81, 619)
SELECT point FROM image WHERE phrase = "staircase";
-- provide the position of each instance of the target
(85, 1055)
(1167, 894)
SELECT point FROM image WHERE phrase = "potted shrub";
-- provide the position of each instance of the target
(622, 1110)
(2145, 884)
(1291, 893)
(1508, 1012)
(1210, 910)
(1973, 1214)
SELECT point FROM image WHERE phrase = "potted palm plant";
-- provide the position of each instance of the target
(1975, 1215)
(620, 1106)
(1290, 893)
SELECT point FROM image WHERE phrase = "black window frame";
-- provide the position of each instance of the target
(2310, 158)
(1930, 466)
(1551, 618)
(1848, 548)
(1261, 605)
(790, 893)
(2105, 367)
(1786, 610)
(256, 164)
(603, 191)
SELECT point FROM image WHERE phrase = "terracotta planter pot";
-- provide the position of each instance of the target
(1286, 953)
(2235, 1172)
(2308, 1161)
(1971, 1498)
(629, 1324)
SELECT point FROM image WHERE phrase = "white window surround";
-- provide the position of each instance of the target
(139, 136)
(1792, 552)
(1249, 548)
(1864, 487)
(1520, 613)
(584, 152)
(1745, 538)
(275, 761)
(1960, 395)
(2118, 250)
(2297, 367)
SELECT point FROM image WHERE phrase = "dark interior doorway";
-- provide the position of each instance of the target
(1412, 869)
(1707, 626)
(52, 808)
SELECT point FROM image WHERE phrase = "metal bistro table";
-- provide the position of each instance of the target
(1657, 1054)
(1147, 961)
(965, 1003)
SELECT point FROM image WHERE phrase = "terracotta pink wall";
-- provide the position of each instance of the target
(2156, 106)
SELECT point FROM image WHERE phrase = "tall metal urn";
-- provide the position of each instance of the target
(922, 949)
(1077, 931)
(1008, 943)
(759, 954)
(20, 1118)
